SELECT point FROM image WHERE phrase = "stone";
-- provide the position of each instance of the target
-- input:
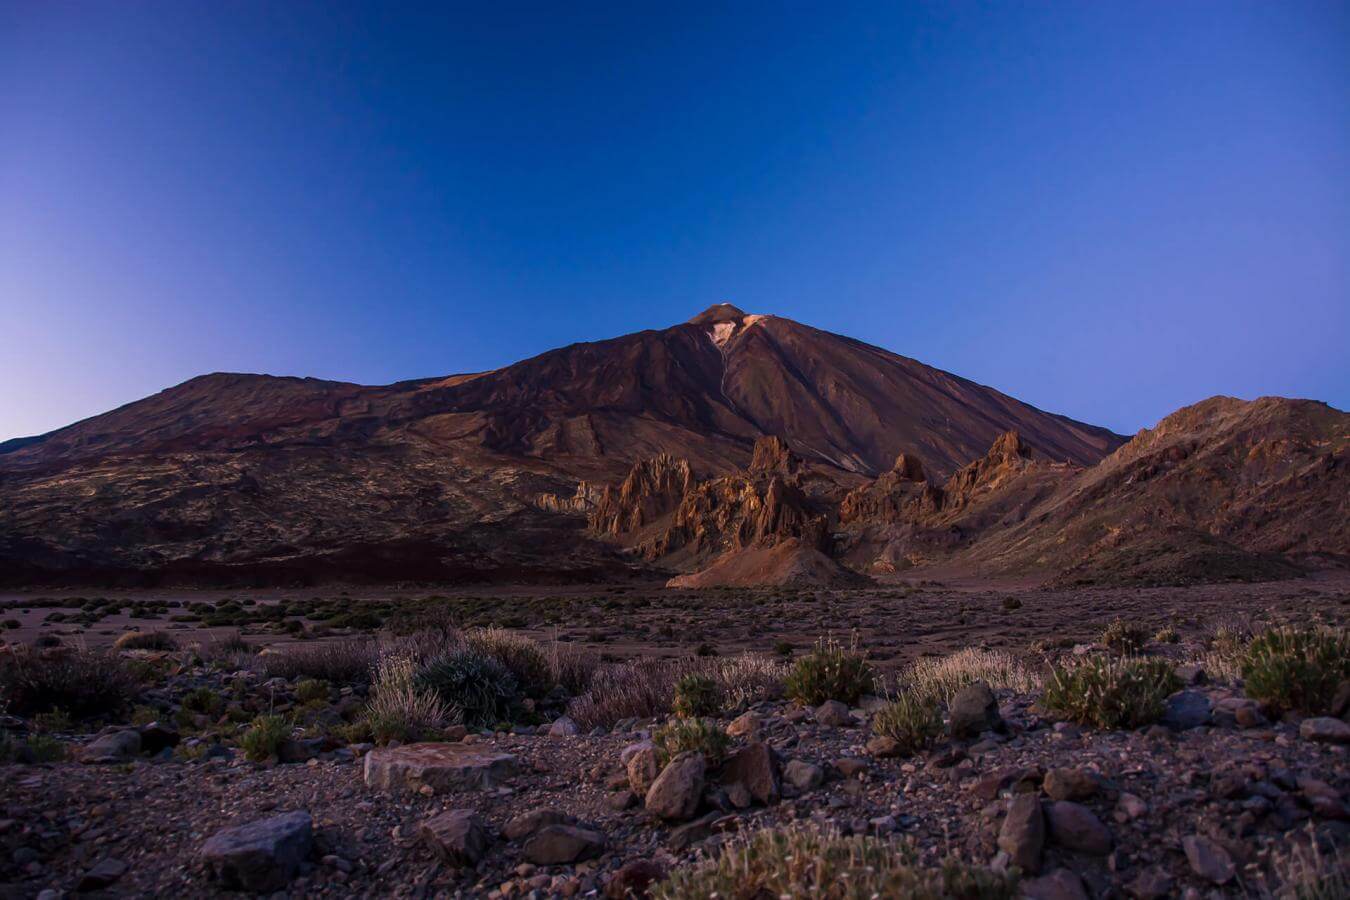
(104, 873)
(633, 878)
(974, 709)
(746, 725)
(802, 775)
(1075, 827)
(157, 736)
(457, 836)
(1192, 674)
(850, 767)
(623, 799)
(1069, 784)
(1208, 859)
(555, 845)
(755, 767)
(1130, 807)
(643, 769)
(563, 727)
(1185, 710)
(1022, 835)
(114, 747)
(527, 823)
(834, 714)
(440, 767)
(1325, 730)
(1153, 884)
(738, 795)
(1060, 884)
(676, 792)
(883, 747)
(293, 750)
(260, 856)
(684, 836)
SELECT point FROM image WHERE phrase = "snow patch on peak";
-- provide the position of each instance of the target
(722, 332)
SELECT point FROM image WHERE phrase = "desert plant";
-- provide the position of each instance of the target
(940, 678)
(1124, 637)
(146, 640)
(1297, 668)
(398, 710)
(36, 748)
(680, 735)
(646, 688)
(830, 672)
(203, 700)
(349, 661)
(697, 695)
(262, 739)
(1111, 693)
(912, 720)
(521, 656)
(1167, 635)
(803, 861)
(1307, 873)
(311, 689)
(81, 681)
(479, 687)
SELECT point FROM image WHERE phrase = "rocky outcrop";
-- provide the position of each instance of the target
(654, 487)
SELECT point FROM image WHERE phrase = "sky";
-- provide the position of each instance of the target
(1108, 210)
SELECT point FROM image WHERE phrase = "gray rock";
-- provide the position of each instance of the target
(802, 775)
(1022, 836)
(754, 767)
(527, 823)
(834, 714)
(441, 767)
(676, 792)
(1185, 710)
(104, 873)
(1209, 859)
(1070, 784)
(974, 709)
(746, 725)
(1075, 827)
(157, 736)
(555, 845)
(1325, 730)
(643, 769)
(1060, 884)
(563, 727)
(114, 747)
(262, 855)
(457, 836)
(1153, 884)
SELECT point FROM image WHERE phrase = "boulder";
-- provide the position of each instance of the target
(1075, 827)
(643, 769)
(262, 855)
(883, 747)
(755, 767)
(802, 775)
(974, 709)
(1022, 835)
(1185, 710)
(1208, 859)
(677, 790)
(834, 714)
(1070, 784)
(563, 727)
(114, 747)
(438, 766)
(157, 736)
(746, 725)
(1060, 884)
(1325, 730)
(457, 836)
(556, 845)
(633, 879)
(527, 823)
(103, 874)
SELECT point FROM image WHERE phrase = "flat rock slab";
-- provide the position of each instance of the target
(441, 767)
(262, 855)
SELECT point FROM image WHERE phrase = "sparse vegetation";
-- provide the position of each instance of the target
(910, 719)
(830, 671)
(262, 739)
(942, 677)
(81, 682)
(1124, 637)
(697, 695)
(311, 689)
(477, 686)
(1111, 693)
(1297, 668)
(680, 735)
(1167, 635)
(146, 640)
(349, 661)
(522, 657)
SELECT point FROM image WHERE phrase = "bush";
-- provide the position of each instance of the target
(830, 672)
(913, 721)
(349, 661)
(311, 689)
(802, 861)
(697, 695)
(264, 737)
(1011, 603)
(479, 687)
(81, 682)
(941, 678)
(1297, 668)
(521, 656)
(36, 748)
(146, 640)
(203, 700)
(398, 710)
(680, 735)
(1123, 637)
(1167, 635)
(646, 688)
(1107, 693)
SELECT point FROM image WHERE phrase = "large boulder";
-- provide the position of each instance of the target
(114, 747)
(755, 767)
(1070, 784)
(974, 709)
(530, 821)
(262, 855)
(1075, 827)
(1325, 730)
(556, 845)
(643, 768)
(440, 767)
(1208, 859)
(1185, 710)
(457, 836)
(1022, 836)
(677, 790)
(802, 775)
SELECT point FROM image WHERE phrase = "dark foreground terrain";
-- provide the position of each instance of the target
(1047, 743)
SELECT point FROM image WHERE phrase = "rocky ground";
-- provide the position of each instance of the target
(1210, 801)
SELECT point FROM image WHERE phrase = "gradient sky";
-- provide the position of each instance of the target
(1109, 210)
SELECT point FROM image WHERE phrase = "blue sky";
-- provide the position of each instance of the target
(1109, 210)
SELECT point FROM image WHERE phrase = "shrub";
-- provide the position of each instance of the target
(782, 648)
(1011, 603)
(1124, 637)
(36, 748)
(203, 700)
(479, 687)
(1167, 635)
(146, 640)
(398, 710)
(802, 861)
(264, 737)
(571, 667)
(1297, 668)
(230, 651)
(337, 662)
(521, 656)
(311, 689)
(1107, 693)
(1307, 873)
(941, 678)
(646, 688)
(830, 672)
(697, 695)
(912, 720)
(81, 682)
(680, 735)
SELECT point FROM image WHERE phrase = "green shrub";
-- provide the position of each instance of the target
(802, 861)
(264, 737)
(82, 682)
(54, 721)
(203, 700)
(830, 672)
(680, 735)
(398, 709)
(913, 721)
(522, 657)
(1124, 637)
(312, 689)
(146, 640)
(1111, 693)
(36, 748)
(697, 695)
(480, 688)
(1297, 668)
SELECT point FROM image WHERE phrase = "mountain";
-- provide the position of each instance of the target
(255, 478)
